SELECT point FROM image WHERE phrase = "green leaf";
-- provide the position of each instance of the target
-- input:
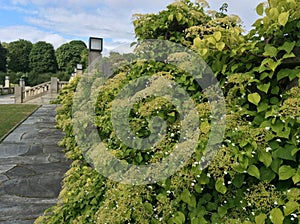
(276, 164)
(260, 219)
(293, 193)
(222, 211)
(161, 197)
(171, 17)
(274, 13)
(179, 17)
(197, 42)
(203, 179)
(265, 74)
(253, 171)
(186, 196)
(254, 98)
(220, 186)
(286, 172)
(238, 168)
(193, 202)
(288, 55)
(282, 74)
(274, 100)
(273, 64)
(198, 188)
(179, 218)
(283, 18)
(172, 114)
(265, 157)
(220, 46)
(238, 180)
(148, 207)
(296, 177)
(260, 9)
(275, 90)
(270, 63)
(285, 153)
(266, 174)
(276, 216)
(262, 107)
(270, 51)
(197, 220)
(290, 206)
(211, 40)
(294, 151)
(247, 222)
(217, 35)
(264, 87)
(288, 46)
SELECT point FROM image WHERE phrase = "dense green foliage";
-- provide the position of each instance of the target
(254, 177)
(3, 60)
(42, 58)
(170, 24)
(18, 56)
(70, 54)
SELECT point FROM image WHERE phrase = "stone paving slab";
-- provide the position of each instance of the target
(32, 167)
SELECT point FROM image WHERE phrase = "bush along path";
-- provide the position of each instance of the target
(32, 167)
(255, 176)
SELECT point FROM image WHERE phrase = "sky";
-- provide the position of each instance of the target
(60, 21)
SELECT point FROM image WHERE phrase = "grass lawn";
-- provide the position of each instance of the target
(12, 114)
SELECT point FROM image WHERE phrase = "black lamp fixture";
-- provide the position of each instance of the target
(96, 44)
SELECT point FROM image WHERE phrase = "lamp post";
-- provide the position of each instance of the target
(95, 49)
(6, 82)
(78, 69)
(22, 88)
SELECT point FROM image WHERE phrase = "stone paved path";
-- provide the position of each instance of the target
(7, 99)
(31, 168)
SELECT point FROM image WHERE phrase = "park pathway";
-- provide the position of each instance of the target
(32, 167)
(7, 99)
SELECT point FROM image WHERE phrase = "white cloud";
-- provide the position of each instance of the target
(13, 33)
(82, 23)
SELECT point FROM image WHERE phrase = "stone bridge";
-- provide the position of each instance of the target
(41, 93)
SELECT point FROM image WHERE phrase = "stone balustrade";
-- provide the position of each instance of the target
(23, 94)
(35, 91)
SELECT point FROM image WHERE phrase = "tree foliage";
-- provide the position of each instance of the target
(42, 58)
(70, 54)
(3, 58)
(170, 24)
(18, 55)
(36, 63)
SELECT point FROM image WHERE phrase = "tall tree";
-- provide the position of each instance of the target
(70, 54)
(18, 55)
(42, 58)
(3, 55)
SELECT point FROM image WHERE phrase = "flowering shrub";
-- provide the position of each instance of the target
(255, 175)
